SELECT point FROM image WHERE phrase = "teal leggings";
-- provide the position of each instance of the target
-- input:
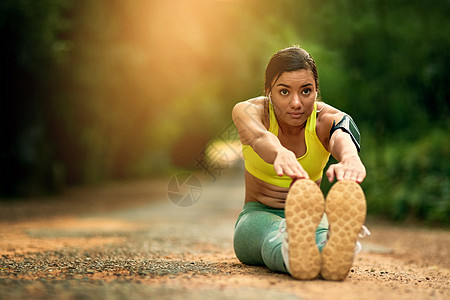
(256, 225)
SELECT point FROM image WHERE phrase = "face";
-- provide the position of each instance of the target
(293, 96)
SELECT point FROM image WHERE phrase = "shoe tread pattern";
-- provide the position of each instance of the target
(345, 207)
(304, 209)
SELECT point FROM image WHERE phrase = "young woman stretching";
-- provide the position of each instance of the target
(287, 138)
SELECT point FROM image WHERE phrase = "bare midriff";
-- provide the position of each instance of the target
(265, 193)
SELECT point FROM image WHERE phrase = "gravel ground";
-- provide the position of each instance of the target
(128, 241)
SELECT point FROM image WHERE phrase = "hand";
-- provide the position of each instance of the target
(348, 169)
(287, 163)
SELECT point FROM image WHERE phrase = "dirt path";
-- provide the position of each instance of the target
(128, 241)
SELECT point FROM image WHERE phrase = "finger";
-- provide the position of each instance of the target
(278, 169)
(297, 171)
(350, 175)
(339, 174)
(360, 177)
(288, 171)
(305, 174)
(330, 173)
(297, 174)
(292, 168)
(354, 176)
(300, 172)
(300, 176)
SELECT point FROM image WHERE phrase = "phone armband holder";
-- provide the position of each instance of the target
(348, 125)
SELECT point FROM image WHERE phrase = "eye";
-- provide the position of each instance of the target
(306, 91)
(284, 92)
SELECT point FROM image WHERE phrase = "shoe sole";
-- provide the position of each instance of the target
(345, 207)
(304, 209)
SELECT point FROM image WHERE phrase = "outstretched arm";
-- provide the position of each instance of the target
(349, 166)
(248, 117)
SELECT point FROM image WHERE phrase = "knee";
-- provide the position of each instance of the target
(245, 243)
(245, 250)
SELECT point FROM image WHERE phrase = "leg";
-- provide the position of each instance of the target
(255, 229)
(322, 233)
(256, 241)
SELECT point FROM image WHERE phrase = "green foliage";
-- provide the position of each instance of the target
(410, 179)
(113, 89)
(393, 55)
(31, 48)
(32, 28)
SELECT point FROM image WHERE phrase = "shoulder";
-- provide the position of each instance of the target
(258, 104)
(253, 108)
(327, 114)
(251, 119)
(325, 118)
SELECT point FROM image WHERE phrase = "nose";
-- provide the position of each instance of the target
(295, 102)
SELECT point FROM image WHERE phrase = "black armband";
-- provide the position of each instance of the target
(348, 125)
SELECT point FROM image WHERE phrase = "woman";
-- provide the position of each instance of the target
(287, 139)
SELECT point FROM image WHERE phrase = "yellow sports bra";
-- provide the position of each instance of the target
(313, 161)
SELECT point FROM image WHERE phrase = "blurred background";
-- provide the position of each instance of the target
(101, 90)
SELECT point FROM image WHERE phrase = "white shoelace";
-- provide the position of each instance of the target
(281, 230)
(364, 232)
(358, 247)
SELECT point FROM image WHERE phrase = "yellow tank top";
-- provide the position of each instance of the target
(313, 161)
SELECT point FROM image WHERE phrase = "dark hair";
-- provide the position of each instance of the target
(288, 60)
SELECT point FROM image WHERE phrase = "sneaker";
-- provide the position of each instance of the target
(345, 207)
(304, 209)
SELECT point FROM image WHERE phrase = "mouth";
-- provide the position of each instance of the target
(295, 115)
